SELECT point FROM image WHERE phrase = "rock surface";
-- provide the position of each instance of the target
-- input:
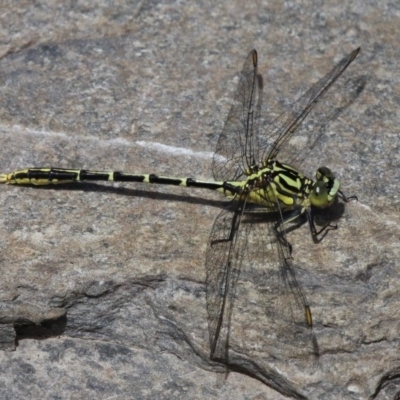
(103, 286)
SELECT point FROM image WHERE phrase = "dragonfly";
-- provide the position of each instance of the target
(246, 171)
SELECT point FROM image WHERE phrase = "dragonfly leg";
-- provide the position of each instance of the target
(345, 198)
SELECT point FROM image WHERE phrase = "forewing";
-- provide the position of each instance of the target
(282, 304)
(275, 134)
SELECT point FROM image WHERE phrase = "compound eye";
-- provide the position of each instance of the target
(324, 174)
(319, 195)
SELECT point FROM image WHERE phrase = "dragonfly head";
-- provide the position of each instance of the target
(325, 188)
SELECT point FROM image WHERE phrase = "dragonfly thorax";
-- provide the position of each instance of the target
(276, 182)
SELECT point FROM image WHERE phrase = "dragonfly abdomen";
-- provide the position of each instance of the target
(58, 176)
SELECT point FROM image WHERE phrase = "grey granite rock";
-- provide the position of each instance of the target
(103, 286)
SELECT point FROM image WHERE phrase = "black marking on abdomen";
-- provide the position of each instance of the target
(53, 174)
(190, 182)
(153, 178)
(86, 175)
(20, 175)
(121, 177)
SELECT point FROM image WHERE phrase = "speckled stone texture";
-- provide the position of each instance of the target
(102, 294)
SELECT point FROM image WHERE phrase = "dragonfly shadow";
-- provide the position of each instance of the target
(322, 217)
(124, 191)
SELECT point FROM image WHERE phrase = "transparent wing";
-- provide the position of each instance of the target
(247, 239)
(237, 147)
(282, 305)
(280, 130)
(223, 261)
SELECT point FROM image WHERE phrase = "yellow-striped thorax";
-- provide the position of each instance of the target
(277, 185)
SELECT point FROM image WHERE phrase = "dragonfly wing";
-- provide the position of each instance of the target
(237, 147)
(282, 305)
(278, 131)
(223, 262)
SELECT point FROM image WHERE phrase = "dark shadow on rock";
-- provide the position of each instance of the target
(123, 191)
(52, 327)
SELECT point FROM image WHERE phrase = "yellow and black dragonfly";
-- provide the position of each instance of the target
(246, 170)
